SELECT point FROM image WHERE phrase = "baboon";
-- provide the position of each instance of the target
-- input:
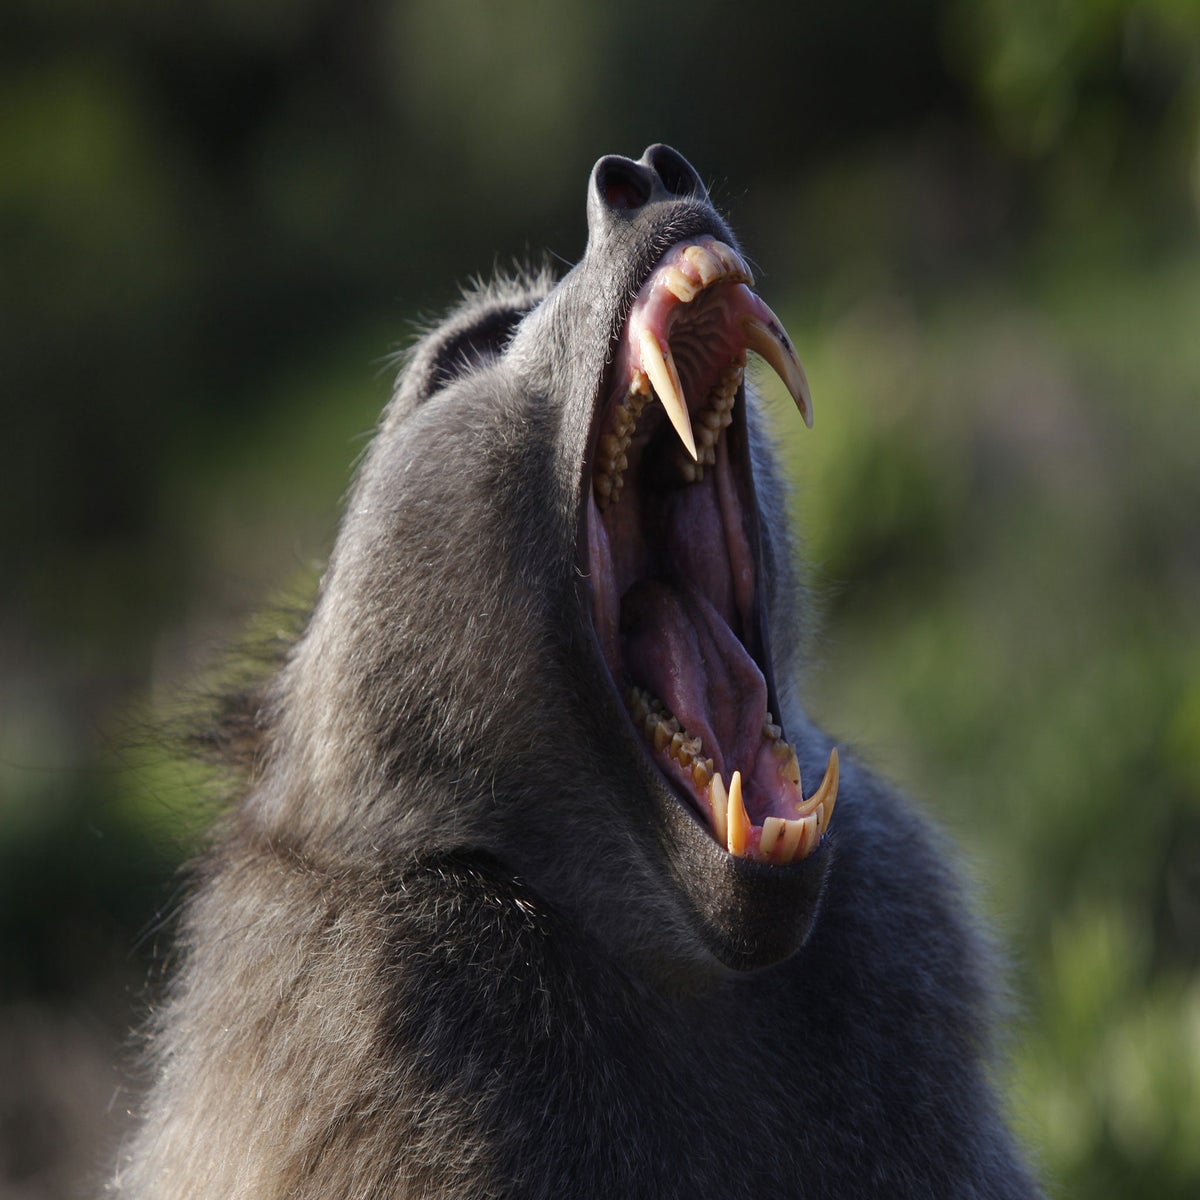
(534, 886)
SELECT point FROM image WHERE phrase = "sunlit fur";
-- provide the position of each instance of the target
(439, 947)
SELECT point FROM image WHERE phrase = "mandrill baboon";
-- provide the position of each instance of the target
(523, 895)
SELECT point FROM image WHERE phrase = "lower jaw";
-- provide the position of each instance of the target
(781, 838)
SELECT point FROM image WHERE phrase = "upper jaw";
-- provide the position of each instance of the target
(672, 551)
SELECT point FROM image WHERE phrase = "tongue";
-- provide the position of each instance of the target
(677, 646)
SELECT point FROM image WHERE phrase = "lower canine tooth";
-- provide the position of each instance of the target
(738, 831)
(826, 793)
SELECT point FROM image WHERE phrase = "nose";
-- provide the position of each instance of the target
(619, 187)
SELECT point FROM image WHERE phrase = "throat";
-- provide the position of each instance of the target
(678, 647)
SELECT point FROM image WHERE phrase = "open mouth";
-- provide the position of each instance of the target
(673, 548)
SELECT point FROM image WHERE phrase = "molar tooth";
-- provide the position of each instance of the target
(739, 822)
(771, 341)
(660, 367)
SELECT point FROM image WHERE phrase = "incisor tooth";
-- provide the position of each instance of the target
(733, 262)
(792, 833)
(707, 265)
(679, 285)
(772, 343)
(739, 822)
(660, 367)
(772, 828)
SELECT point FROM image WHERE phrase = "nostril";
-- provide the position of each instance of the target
(678, 175)
(622, 183)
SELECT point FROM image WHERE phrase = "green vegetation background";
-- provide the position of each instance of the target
(979, 218)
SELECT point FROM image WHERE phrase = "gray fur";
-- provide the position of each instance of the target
(456, 939)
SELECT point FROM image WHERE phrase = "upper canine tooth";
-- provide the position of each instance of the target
(661, 369)
(738, 832)
(769, 339)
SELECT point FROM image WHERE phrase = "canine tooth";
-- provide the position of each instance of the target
(772, 343)
(772, 828)
(660, 367)
(826, 793)
(707, 265)
(680, 286)
(739, 822)
(719, 800)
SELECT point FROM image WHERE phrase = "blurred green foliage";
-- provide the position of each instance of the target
(981, 221)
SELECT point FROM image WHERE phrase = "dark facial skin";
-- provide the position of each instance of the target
(461, 932)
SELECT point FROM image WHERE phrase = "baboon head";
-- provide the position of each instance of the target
(546, 631)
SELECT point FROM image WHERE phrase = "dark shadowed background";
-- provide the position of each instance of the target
(979, 220)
